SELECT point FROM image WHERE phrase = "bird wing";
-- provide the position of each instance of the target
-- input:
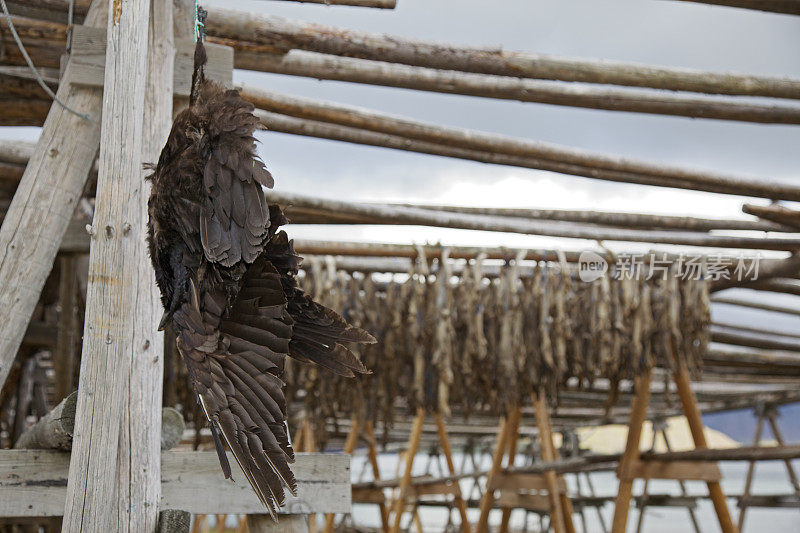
(235, 217)
(235, 364)
(319, 334)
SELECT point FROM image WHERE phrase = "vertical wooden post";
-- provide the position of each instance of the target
(548, 454)
(497, 463)
(372, 454)
(349, 446)
(444, 440)
(43, 203)
(405, 481)
(114, 477)
(64, 358)
(692, 412)
(639, 404)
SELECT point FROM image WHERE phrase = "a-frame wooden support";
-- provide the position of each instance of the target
(444, 441)
(632, 467)
(406, 490)
(769, 413)
(659, 426)
(558, 503)
(504, 434)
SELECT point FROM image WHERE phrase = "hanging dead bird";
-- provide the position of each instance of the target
(226, 275)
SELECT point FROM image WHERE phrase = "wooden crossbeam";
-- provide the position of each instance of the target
(89, 50)
(679, 470)
(33, 483)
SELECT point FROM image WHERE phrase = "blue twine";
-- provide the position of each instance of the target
(198, 24)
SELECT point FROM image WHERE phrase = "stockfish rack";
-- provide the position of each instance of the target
(755, 367)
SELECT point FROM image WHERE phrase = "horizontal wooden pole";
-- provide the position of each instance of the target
(16, 152)
(424, 217)
(614, 219)
(54, 430)
(783, 362)
(744, 453)
(278, 33)
(33, 483)
(379, 4)
(603, 218)
(774, 213)
(760, 273)
(783, 286)
(657, 468)
(757, 330)
(762, 341)
(328, 67)
(604, 462)
(738, 302)
(708, 182)
(789, 7)
(411, 251)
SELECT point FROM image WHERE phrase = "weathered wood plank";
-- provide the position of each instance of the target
(89, 45)
(531, 502)
(33, 483)
(111, 485)
(680, 470)
(520, 481)
(43, 204)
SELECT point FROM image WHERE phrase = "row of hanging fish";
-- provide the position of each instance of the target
(470, 343)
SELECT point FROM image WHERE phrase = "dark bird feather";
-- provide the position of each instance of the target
(227, 279)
